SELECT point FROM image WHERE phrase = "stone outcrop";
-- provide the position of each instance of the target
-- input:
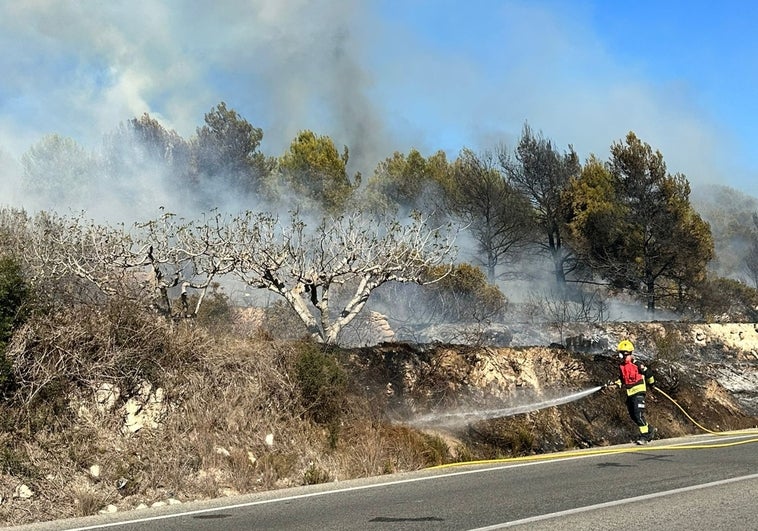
(121, 434)
(145, 409)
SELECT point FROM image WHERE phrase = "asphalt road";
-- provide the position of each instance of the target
(704, 482)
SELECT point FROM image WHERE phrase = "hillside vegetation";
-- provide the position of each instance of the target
(283, 321)
(117, 410)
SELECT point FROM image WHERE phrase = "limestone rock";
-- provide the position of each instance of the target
(146, 408)
(23, 492)
(106, 397)
(222, 451)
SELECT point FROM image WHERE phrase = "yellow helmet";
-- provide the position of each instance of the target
(625, 346)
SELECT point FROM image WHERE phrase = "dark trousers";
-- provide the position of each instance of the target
(635, 404)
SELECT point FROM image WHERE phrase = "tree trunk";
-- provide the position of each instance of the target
(298, 304)
(352, 309)
(491, 264)
(650, 286)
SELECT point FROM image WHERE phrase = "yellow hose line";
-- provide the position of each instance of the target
(607, 451)
(545, 457)
(720, 433)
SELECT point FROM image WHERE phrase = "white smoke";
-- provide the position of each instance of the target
(370, 77)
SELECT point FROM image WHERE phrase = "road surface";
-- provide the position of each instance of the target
(704, 482)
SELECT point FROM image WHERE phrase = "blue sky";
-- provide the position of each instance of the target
(386, 75)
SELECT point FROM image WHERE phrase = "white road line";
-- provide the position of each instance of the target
(308, 495)
(371, 486)
(613, 503)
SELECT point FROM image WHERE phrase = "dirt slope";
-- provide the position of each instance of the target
(709, 370)
(234, 420)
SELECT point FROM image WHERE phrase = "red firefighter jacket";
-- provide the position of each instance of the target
(635, 376)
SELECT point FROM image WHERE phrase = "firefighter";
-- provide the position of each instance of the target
(635, 378)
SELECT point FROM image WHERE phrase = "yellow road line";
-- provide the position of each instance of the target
(606, 451)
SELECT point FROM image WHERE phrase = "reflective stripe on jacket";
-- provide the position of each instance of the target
(634, 377)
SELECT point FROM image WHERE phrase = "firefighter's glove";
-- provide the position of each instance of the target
(610, 383)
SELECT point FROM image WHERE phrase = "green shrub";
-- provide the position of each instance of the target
(521, 440)
(15, 462)
(216, 311)
(464, 295)
(7, 379)
(49, 409)
(322, 383)
(436, 450)
(503, 437)
(726, 299)
(315, 475)
(14, 294)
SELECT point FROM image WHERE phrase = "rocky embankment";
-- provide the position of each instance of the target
(474, 396)
(725, 353)
(233, 421)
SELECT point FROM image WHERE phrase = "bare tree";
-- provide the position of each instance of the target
(497, 215)
(304, 266)
(72, 256)
(307, 266)
(190, 254)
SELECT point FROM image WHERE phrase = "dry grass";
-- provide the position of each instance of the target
(88, 501)
(235, 417)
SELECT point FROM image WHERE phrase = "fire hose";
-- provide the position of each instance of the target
(696, 423)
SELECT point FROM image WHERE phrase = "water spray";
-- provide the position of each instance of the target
(453, 418)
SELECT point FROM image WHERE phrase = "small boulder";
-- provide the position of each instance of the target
(23, 492)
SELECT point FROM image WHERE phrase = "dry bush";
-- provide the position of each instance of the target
(80, 348)
(82, 445)
(237, 422)
(88, 501)
(411, 450)
(367, 450)
(315, 475)
(242, 393)
(226, 396)
(503, 437)
(363, 454)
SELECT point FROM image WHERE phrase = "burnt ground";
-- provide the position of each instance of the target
(236, 421)
(433, 382)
